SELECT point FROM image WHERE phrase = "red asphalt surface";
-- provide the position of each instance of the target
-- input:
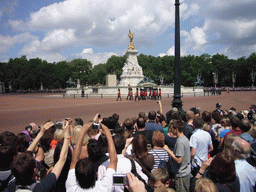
(17, 111)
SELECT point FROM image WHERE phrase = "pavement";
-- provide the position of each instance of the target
(17, 111)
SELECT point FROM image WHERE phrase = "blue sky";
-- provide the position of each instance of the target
(97, 29)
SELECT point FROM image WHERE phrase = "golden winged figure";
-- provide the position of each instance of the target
(131, 44)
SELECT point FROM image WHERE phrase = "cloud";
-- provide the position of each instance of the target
(234, 25)
(8, 42)
(96, 58)
(171, 51)
(96, 24)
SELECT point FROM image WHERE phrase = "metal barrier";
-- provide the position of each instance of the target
(164, 95)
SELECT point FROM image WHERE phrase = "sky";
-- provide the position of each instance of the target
(55, 30)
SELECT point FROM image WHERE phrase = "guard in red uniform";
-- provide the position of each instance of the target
(119, 95)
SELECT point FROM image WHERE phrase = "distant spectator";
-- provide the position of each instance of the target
(188, 129)
(245, 128)
(152, 125)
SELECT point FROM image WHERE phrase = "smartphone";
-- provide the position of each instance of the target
(66, 119)
(99, 116)
(120, 179)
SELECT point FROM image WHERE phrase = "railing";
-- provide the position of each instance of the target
(164, 95)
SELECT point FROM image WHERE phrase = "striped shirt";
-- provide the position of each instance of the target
(159, 154)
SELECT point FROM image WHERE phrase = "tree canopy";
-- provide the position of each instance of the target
(22, 73)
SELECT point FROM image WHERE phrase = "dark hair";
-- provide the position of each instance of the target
(141, 123)
(142, 115)
(128, 124)
(198, 122)
(152, 115)
(119, 142)
(177, 124)
(23, 168)
(235, 122)
(116, 116)
(22, 142)
(207, 116)
(240, 116)
(245, 125)
(85, 171)
(79, 121)
(103, 143)
(46, 140)
(233, 108)
(139, 145)
(7, 137)
(60, 184)
(216, 116)
(110, 122)
(183, 115)
(94, 150)
(7, 154)
(224, 168)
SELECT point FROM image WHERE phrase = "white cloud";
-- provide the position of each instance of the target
(97, 58)
(103, 23)
(7, 42)
(171, 51)
(58, 39)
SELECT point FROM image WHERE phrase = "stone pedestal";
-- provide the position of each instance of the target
(132, 71)
(111, 80)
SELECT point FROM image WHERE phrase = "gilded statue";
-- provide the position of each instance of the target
(131, 44)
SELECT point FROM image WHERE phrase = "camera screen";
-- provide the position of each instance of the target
(118, 179)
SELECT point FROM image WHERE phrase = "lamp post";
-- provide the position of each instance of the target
(215, 79)
(177, 97)
(161, 79)
(234, 79)
(253, 77)
(82, 95)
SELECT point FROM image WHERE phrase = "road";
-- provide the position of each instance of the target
(17, 111)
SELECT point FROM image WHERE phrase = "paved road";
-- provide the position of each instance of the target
(17, 111)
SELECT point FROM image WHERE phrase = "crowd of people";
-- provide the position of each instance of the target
(211, 150)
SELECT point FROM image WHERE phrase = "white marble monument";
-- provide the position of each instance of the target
(132, 72)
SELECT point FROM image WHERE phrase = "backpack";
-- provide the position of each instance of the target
(134, 171)
(162, 163)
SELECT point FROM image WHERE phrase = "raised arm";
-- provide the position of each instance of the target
(44, 128)
(77, 151)
(160, 107)
(64, 151)
(111, 148)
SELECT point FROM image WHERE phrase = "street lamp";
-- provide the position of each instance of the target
(253, 77)
(215, 79)
(177, 74)
(161, 79)
(234, 79)
(82, 95)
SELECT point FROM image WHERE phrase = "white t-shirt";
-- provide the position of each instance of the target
(200, 140)
(101, 185)
(124, 166)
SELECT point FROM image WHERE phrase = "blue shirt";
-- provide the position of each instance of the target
(152, 126)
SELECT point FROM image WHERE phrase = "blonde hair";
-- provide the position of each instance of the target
(206, 127)
(160, 174)
(58, 135)
(76, 134)
(205, 185)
